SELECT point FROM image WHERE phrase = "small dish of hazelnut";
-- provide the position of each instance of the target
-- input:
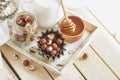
(51, 44)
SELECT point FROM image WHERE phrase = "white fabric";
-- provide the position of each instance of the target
(4, 32)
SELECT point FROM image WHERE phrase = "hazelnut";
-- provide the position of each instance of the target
(17, 37)
(43, 47)
(26, 62)
(51, 36)
(32, 68)
(84, 56)
(49, 48)
(54, 45)
(53, 52)
(23, 16)
(19, 21)
(29, 20)
(21, 38)
(33, 49)
(23, 24)
(58, 49)
(49, 42)
(59, 41)
(43, 41)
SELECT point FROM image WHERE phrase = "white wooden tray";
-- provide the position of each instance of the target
(73, 49)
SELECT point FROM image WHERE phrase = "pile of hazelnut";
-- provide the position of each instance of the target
(21, 38)
(24, 19)
(51, 44)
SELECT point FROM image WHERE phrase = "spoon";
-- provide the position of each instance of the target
(68, 25)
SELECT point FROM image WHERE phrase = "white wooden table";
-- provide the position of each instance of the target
(102, 62)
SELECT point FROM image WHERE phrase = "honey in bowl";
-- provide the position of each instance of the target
(77, 34)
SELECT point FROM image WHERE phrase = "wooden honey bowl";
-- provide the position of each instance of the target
(77, 34)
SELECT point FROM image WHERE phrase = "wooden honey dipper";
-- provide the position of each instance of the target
(68, 25)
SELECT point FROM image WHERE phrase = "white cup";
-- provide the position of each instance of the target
(48, 12)
(4, 32)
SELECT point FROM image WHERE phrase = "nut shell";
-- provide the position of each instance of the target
(15, 56)
(32, 68)
(51, 36)
(33, 49)
(49, 42)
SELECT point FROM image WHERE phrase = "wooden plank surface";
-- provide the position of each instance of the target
(25, 74)
(114, 35)
(70, 73)
(93, 68)
(102, 62)
(6, 73)
(109, 50)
